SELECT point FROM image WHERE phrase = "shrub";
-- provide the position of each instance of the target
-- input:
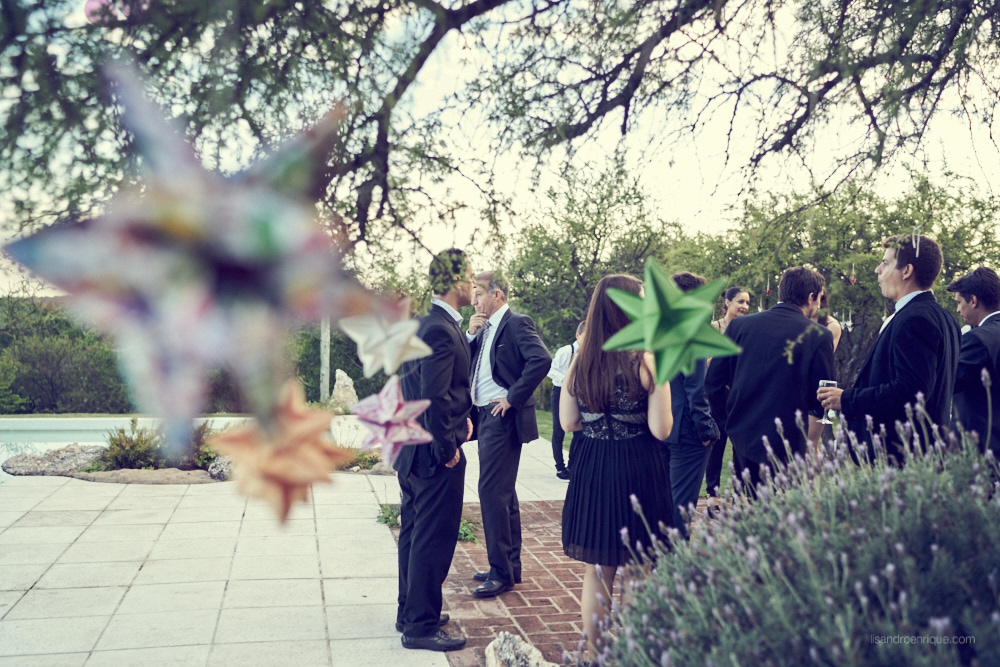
(198, 455)
(138, 448)
(827, 563)
(388, 513)
(366, 459)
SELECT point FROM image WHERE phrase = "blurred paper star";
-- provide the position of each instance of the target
(383, 344)
(281, 466)
(194, 271)
(672, 324)
(391, 421)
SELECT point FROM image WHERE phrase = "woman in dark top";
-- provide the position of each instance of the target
(735, 303)
(612, 399)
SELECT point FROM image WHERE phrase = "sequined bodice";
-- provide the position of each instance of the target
(625, 418)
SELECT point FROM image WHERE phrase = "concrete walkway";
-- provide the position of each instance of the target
(108, 574)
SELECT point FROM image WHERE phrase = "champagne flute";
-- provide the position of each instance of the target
(829, 414)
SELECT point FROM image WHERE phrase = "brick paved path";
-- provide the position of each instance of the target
(544, 608)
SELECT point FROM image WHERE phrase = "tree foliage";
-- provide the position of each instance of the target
(243, 75)
(594, 224)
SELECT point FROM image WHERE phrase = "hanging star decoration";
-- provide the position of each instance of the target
(281, 466)
(391, 421)
(193, 271)
(672, 324)
(384, 344)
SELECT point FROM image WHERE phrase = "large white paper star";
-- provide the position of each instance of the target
(383, 344)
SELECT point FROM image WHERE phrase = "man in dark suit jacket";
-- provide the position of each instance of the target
(784, 357)
(977, 295)
(509, 361)
(687, 448)
(915, 352)
(432, 476)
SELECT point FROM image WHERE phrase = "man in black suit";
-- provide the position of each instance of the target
(509, 361)
(916, 351)
(784, 357)
(977, 296)
(432, 476)
(685, 451)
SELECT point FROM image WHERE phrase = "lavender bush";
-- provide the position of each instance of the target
(834, 565)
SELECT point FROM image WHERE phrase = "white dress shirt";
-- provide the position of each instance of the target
(561, 362)
(455, 315)
(486, 389)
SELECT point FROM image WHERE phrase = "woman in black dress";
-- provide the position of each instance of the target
(612, 399)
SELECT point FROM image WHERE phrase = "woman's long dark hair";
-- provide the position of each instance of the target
(595, 369)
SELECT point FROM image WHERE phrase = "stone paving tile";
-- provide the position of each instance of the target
(179, 656)
(50, 660)
(36, 518)
(27, 554)
(184, 570)
(206, 547)
(40, 534)
(88, 575)
(41, 603)
(284, 545)
(160, 629)
(190, 531)
(270, 624)
(272, 567)
(50, 635)
(8, 518)
(96, 552)
(380, 652)
(273, 593)
(134, 502)
(361, 621)
(8, 599)
(299, 653)
(21, 577)
(356, 591)
(271, 528)
(142, 533)
(173, 597)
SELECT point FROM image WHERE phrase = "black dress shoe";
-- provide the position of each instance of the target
(491, 589)
(442, 620)
(485, 576)
(438, 641)
(563, 474)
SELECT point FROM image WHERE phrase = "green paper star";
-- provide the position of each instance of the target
(672, 324)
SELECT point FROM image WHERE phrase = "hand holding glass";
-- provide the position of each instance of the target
(829, 414)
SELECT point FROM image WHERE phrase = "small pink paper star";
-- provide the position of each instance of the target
(391, 421)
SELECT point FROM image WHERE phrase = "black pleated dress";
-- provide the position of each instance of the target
(614, 457)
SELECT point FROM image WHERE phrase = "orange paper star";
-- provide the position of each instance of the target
(280, 467)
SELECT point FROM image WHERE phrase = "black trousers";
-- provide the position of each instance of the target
(557, 432)
(685, 463)
(429, 515)
(713, 470)
(499, 458)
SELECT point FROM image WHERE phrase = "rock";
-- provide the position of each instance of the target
(510, 651)
(220, 469)
(138, 476)
(343, 396)
(61, 461)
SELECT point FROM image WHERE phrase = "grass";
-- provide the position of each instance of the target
(388, 513)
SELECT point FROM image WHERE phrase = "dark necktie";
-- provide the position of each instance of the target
(479, 359)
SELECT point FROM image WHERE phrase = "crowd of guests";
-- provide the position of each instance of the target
(642, 446)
